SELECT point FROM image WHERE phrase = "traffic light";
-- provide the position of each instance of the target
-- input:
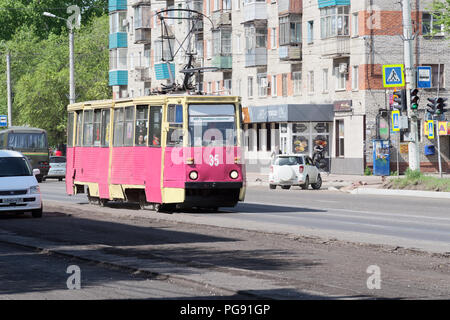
(400, 99)
(432, 106)
(440, 105)
(414, 99)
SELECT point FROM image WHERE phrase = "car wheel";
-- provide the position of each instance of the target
(285, 187)
(318, 184)
(306, 184)
(272, 186)
(39, 179)
(37, 213)
(60, 179)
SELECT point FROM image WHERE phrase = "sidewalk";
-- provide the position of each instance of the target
(355, 184)
(329, 181)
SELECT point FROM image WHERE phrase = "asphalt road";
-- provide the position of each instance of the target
(410, 222)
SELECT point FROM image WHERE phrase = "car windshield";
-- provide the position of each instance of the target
(27, 141)
(212, 125)
(14, 166)
(287, 161)
(57, 159)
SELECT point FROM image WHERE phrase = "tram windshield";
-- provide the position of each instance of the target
(212, 125)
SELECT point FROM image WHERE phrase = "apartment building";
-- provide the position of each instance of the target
(308, 71)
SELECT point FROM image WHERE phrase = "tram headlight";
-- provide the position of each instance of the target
(193, 175)
(234, 174)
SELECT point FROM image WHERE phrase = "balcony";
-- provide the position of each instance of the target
(116, 5)
(220, 18)
(162, 71)
(222, 61)
(143, 35)
(290, 6)
(118, 78)
(290, 52)
(255, 11)
(135, 3)
(256, 57)
(118, 40)
(336, 47)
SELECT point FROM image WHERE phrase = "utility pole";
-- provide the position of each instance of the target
(71, 66)
(8, 88)
(414, 158)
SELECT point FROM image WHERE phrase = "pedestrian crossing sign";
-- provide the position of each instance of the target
(393, 76)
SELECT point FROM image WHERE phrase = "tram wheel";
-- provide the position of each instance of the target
(93, 200)
(102, 202)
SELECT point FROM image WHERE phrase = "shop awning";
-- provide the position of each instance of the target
(291, 113)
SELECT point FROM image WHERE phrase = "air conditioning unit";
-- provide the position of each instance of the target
(343, 67)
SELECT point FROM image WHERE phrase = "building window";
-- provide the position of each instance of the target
(430, 25)
(209, 87)
(273, 39)
(226, 5)
(273, 86)
(116, 22)
(238, 43)
(339, 138)
(341, 78)
(218, 87)
(290, 30)
(284, 84)
(311, 82)
(118, 59)
(297, 79)
(334, 21)
(355, 24)
(250, 86)
(355, 78)
(222, 42)
(262, 85)
(208, 49)
(227, 86)
(310, 32)
(325, 80)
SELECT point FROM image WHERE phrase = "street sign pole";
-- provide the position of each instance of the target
(8, 88)
(437, 123)
(414, 158)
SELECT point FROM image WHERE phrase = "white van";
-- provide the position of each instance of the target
(19, 189)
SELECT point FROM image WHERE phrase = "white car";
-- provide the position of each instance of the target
(57, 168)
(294, 170)
(19, 189)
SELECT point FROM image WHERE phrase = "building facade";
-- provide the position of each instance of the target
(308, 71)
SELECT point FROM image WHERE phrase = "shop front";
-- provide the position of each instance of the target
(287, 129)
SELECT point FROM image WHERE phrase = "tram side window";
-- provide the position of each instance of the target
(175, 120)
(69, 129)
(118, 127)
(79, 127)
(105, 128)
(129, 126)
(141, 126)
(155, 126)
(97, 126)
(88, 128)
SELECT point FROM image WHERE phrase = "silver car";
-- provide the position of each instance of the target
(294, 170)
(57, 168)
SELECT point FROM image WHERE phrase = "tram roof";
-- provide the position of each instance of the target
(172, 98)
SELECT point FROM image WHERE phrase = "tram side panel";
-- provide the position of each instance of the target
(138, 167)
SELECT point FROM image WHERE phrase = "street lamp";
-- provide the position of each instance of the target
(71, 56)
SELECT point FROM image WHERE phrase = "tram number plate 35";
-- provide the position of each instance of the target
(214, 160)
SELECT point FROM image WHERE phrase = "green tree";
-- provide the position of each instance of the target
(41, 75)
(15, 14)
(441, 14)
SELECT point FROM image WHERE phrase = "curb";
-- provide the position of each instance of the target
(406, 193)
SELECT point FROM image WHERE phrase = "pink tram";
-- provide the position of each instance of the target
(162, 151)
